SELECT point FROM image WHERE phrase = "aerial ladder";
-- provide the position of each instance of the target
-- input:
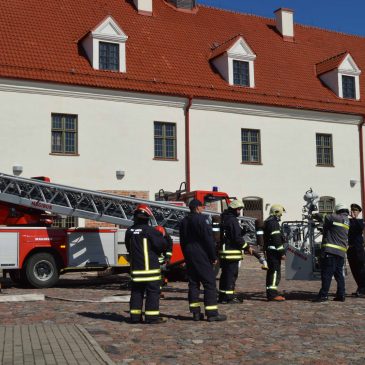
(34, 252)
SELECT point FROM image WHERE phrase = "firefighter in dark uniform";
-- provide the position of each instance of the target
(274, 248)
(333, 252)
(230, 253)
(145, 244)
(356, 253)
(199, 250)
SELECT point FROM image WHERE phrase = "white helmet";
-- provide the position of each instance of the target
(277, 210)
(341, 206)
(236, 204)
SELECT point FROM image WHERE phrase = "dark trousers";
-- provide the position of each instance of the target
(200, 270)
(227, 281)
(273, 274)
(152, 291)
(356, 259)
(332, 265)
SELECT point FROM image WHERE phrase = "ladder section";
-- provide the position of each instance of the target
(93, 205)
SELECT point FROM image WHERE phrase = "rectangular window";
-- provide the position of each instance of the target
(251, 148)
(108, 56)
(324, 149)
(348, 87)
(64, 134)
(241, 75)
(165, 140)
(65, 222)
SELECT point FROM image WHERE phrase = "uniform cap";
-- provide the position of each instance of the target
(236, 204)
(355, 206)
(195, 203)
(341, 206)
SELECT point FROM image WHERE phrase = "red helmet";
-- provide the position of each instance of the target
(161, 230)
(143, 209)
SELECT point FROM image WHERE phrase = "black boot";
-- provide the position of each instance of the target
(198, 316)
(217, 318)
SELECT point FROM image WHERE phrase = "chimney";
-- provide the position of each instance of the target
(285, 24)
(144, 7)
(183, 4)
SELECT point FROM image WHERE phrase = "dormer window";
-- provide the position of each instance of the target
(108, 56)
(241, 73)
(341, 74)
(234, 60)
(105, 46)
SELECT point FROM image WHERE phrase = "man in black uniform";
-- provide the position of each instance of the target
(198, 247)
(355, 253)
(334, 247)
(274, 248)
(230, 253)
(145, 244)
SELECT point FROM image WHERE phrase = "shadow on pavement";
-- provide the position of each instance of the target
(115, 317)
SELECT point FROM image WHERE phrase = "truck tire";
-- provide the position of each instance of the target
(41, 270)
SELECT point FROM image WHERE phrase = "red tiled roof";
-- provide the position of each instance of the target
(168, 53)
(331, 63)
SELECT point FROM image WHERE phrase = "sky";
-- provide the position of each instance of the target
(347, 16)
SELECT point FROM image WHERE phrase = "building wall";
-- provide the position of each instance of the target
(288, 149)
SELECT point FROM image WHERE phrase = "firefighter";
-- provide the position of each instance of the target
(333, 252)
(274, 248)
(199, 250)
(230, 253)
(165, 257)
(356, 253)
(145, 244)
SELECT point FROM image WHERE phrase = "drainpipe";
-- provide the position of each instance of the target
(361, 146)
(187, 143)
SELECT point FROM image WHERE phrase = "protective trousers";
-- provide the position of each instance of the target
(273, 274)
(356, 259)
(200, 270)
(332, 265)
(227, 281)
(152, 290)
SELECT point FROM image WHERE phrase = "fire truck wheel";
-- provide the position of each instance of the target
(41, 270)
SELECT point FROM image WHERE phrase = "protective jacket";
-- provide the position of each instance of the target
(145, 245)
(335, 234)
(195, 231)
(273, 239)
(232, 241)
(356, 233)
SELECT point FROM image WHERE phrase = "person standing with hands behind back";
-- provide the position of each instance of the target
(356, 253)
(199, 249)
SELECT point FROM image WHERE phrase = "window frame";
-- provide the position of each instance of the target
(109, 44)
(258, 143)
(324, 200)
(63, 131)
(323, 147)
(346, 88)
(241, 76)
(164, 138)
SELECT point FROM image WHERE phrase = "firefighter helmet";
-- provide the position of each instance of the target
(143, 211)
(161, 230)
(277, 210)
(341, 207)
(236, 204)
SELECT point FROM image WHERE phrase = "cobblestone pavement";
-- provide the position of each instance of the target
(296, 331)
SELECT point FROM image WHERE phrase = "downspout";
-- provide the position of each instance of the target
(187, 143)
(361, 146)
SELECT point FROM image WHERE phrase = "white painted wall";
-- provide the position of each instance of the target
(116, 133)
(288, 155)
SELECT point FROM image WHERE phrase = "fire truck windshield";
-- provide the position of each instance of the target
(215, 203)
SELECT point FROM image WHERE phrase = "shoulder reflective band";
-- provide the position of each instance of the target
(194, 305)
(344, 249)
(259, 233)
(341, 225)
(135, 311)
(148, 278)
(275, 232)
(276, 248)
(152, 313)
(141, 272)
(211, 307)
(146, 258)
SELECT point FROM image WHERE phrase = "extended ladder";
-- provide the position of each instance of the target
(94, 205)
